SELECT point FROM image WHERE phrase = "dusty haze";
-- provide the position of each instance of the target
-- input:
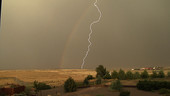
(49, 34)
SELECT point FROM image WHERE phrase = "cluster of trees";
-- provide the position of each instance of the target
(153, 85)
(159, 74)
(70, 85)
(122, 75)
(155, 74)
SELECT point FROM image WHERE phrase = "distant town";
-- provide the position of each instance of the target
(149, 68)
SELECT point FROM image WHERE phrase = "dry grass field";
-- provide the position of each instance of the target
(51, 77)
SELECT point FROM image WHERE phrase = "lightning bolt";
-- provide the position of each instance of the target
(91, 31)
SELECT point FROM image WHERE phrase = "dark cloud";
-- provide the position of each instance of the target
(53, 34)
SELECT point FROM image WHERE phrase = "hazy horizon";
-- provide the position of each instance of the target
(52, 34)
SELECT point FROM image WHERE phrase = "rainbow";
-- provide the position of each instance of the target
(74, 30)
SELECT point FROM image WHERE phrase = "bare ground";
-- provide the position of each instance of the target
(93, 91)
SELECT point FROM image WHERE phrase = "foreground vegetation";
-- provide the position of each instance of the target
(144, 80)
(114, 79)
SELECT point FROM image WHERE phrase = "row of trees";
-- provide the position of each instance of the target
(122, 75)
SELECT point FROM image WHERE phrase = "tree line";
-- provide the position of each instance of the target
(122, 75)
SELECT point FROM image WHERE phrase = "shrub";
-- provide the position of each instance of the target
(27, 91)
(116, 85)
(40, 86)
(99, 95)
(161, 74)
(152, 85)
(164, 91)
(99, 80)
(154, 74)
(86, 82)
(114, 75)
(168, 74)
(107, 75)
(144, 85)
(70, 85)
(90, 77)
(144, 74)
(124, 93)
(101, 71)
(136, 75)
(121, 75)
(129, 75)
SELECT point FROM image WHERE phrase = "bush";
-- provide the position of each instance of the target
(99, 80)
(114, 75)
(144, 74)
(107, 75)
(86, 82)
(154, 74)
(27, 91)
(168, 74)
(121, 75)
(129, 75)
(164, 91)
(161, 74)
(40, 86)
(145, 85)
(124, 93)
(101, 71)
(90, 77)
(99, 95)
(152, 85)
(136, 75)
(116, 85)
(70, 85)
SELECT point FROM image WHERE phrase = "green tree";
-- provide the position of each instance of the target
(129, 75)
(86, 81)
(144, 74)
(101, 71)
(121, 75)
(116, 85)
(107, 75)
(161, 74)
(168, 74)
(136, 75)
(154, 74)
(99, 80)
(114, 74)
(35, 85)
(70, 85)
